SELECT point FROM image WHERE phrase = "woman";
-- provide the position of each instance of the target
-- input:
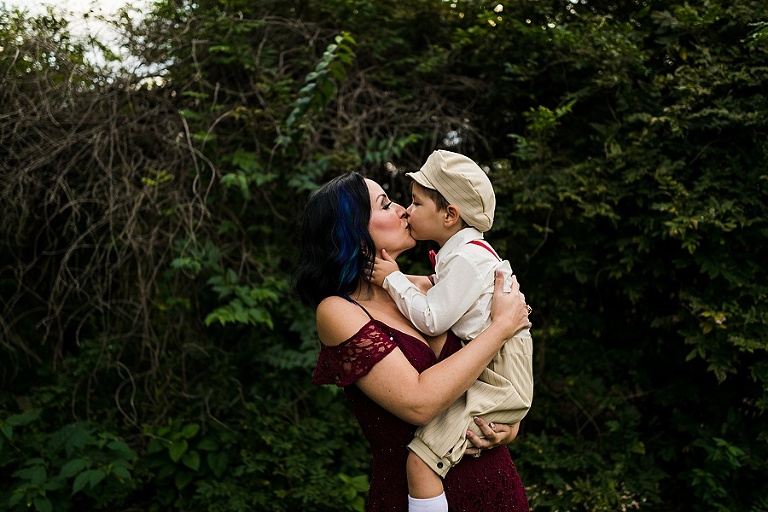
(390, 373)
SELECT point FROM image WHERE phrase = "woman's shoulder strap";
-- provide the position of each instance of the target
(338, 320)
(360, 306)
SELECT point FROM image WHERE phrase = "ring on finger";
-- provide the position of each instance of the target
(476, 455)
(492, 426)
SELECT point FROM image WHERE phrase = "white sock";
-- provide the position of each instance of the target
(436, 504)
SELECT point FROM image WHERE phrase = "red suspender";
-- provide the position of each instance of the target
(486, 247)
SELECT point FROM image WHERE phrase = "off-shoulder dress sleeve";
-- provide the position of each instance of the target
(343, 364)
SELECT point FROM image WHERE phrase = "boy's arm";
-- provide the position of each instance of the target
(423, 283)
(384, 266)
(437, 310)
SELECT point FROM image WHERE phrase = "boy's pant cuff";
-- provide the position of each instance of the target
(437, 464)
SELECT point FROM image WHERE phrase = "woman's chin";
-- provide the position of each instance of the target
(394, 253)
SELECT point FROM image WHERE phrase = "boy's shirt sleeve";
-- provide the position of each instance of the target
(445, 303)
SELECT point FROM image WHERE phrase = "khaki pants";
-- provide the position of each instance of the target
(502, 394)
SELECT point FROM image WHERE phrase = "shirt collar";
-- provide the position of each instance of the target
(463, 237)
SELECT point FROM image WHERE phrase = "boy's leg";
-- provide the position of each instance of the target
(441, 442)
(422, 481)
(425, 487)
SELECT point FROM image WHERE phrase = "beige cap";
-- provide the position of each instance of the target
(462, 183)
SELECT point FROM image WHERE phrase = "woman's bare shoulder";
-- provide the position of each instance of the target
(338, 320)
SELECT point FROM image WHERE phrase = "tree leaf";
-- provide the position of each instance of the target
(178, 449)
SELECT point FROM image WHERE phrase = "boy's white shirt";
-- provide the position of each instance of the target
(460, 300)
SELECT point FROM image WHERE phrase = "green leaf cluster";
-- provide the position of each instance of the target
(72, 468)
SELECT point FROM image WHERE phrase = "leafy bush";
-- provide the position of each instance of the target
(73, 468)
(147, 242)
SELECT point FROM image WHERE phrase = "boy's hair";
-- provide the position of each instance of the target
(440, 201)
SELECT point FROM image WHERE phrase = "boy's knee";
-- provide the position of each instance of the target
(415, 465)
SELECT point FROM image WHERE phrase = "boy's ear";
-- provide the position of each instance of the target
(452, 216)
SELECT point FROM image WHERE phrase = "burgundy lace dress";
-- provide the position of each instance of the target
(488, 482)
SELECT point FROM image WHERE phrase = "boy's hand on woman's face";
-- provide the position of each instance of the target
(382, 267)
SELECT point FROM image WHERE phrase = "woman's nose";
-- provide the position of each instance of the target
(403, 211)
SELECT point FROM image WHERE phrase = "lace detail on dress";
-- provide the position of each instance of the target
(343, 364)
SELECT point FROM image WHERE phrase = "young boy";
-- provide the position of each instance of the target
(453, 205)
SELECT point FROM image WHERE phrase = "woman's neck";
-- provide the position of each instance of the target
(368, 292)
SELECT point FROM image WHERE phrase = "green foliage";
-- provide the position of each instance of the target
(353, 490)
(276, 455)
(148, 222)
(383, 151)
(72, 468)
(179, 456)
(287, 462)
(245, 303)
(319, 86)
(653, 213)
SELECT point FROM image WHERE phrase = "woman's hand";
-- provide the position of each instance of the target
(494, 434)
(508, 310)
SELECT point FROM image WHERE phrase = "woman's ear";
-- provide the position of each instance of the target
(452, 216)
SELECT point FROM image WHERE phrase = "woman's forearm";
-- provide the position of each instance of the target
(418, 398)
(442, 384)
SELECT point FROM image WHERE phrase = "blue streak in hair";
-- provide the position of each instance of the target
(348, 243)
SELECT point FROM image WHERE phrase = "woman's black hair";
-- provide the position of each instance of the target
(335, 246)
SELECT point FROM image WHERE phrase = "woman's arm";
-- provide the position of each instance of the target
(417, 398)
